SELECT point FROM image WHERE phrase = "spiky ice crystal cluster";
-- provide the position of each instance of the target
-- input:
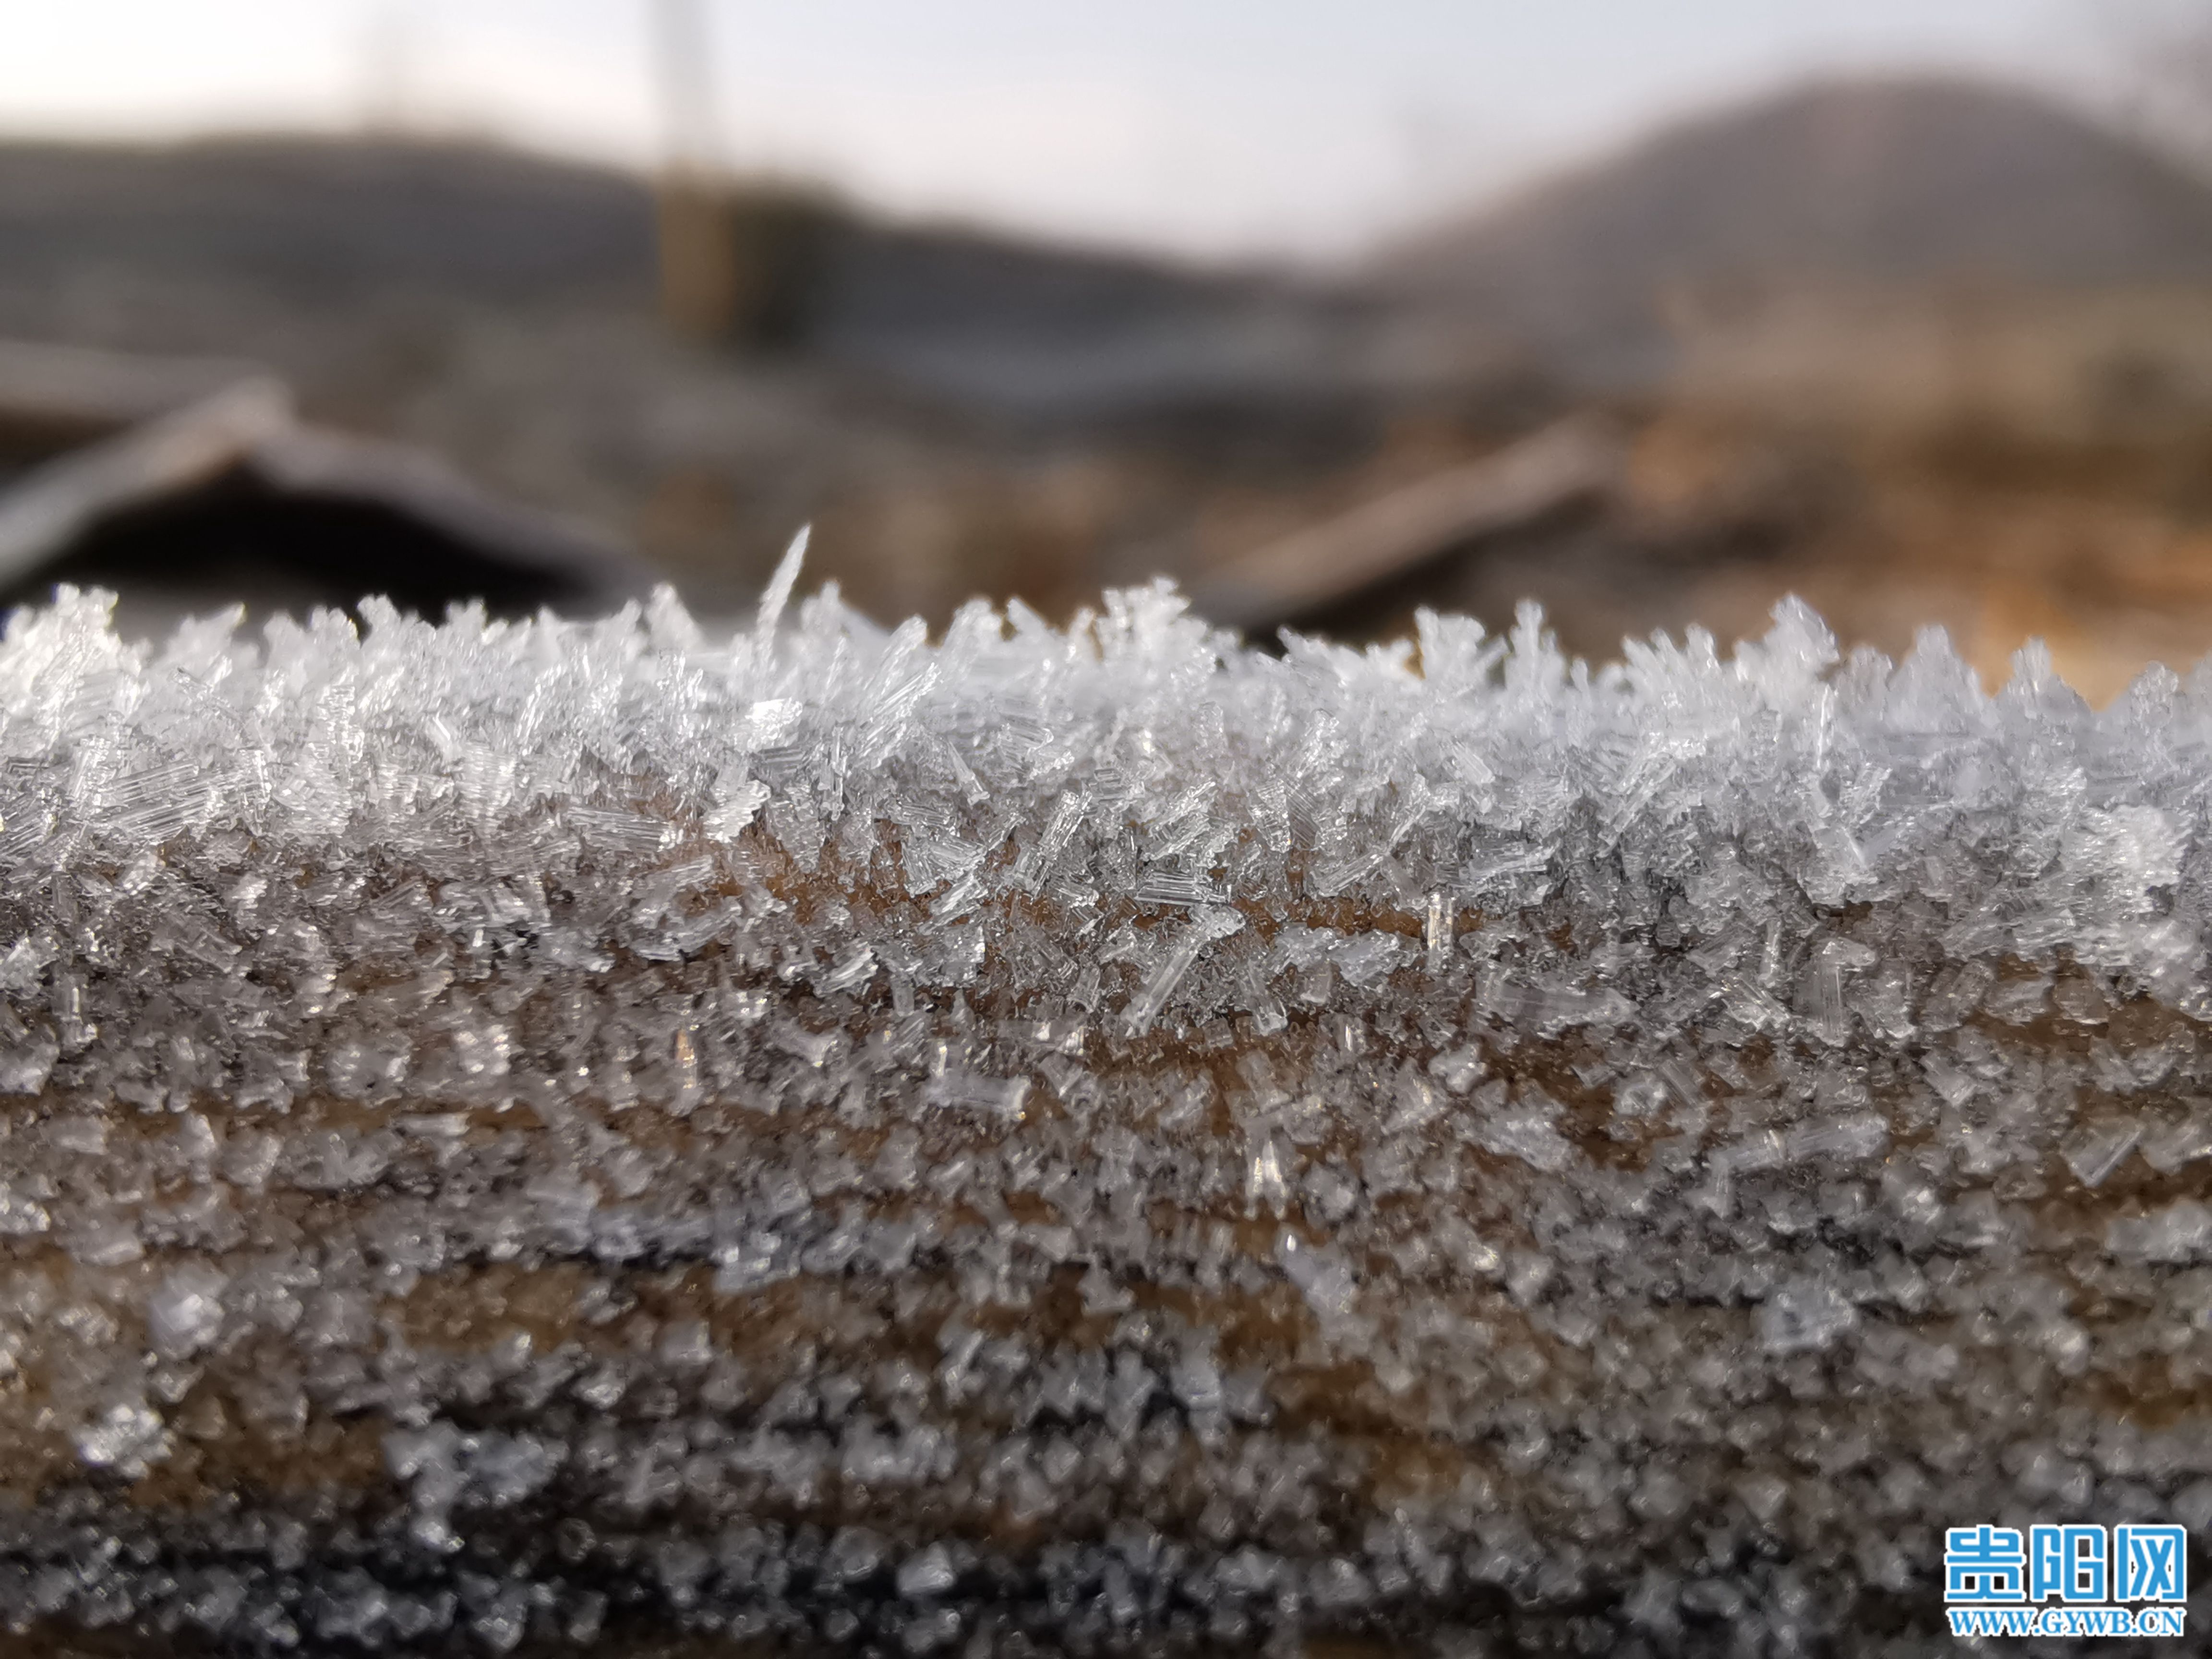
(1090, 1141)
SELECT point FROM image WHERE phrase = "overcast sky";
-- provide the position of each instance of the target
(1205, 125)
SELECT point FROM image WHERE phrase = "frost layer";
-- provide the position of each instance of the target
(1095, 1141)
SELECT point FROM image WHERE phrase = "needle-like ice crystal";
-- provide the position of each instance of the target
(1100, 1140)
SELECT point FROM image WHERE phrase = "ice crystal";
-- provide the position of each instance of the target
(538, 1135)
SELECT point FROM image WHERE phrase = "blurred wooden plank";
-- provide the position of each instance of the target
(54, 397)
(249, 429)
(1572, 461)
(49, 508)
(579, 567)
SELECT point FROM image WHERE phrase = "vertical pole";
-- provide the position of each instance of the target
(699, 275)
(387, 58)
(691, 131)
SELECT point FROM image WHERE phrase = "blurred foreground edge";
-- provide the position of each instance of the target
(189, 485)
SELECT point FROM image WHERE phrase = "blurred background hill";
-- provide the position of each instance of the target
(1915, 183)
(1926, 346)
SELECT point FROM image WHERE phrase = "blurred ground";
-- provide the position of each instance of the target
(1923, 351)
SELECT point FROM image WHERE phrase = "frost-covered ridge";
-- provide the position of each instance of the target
(1103, 1140)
